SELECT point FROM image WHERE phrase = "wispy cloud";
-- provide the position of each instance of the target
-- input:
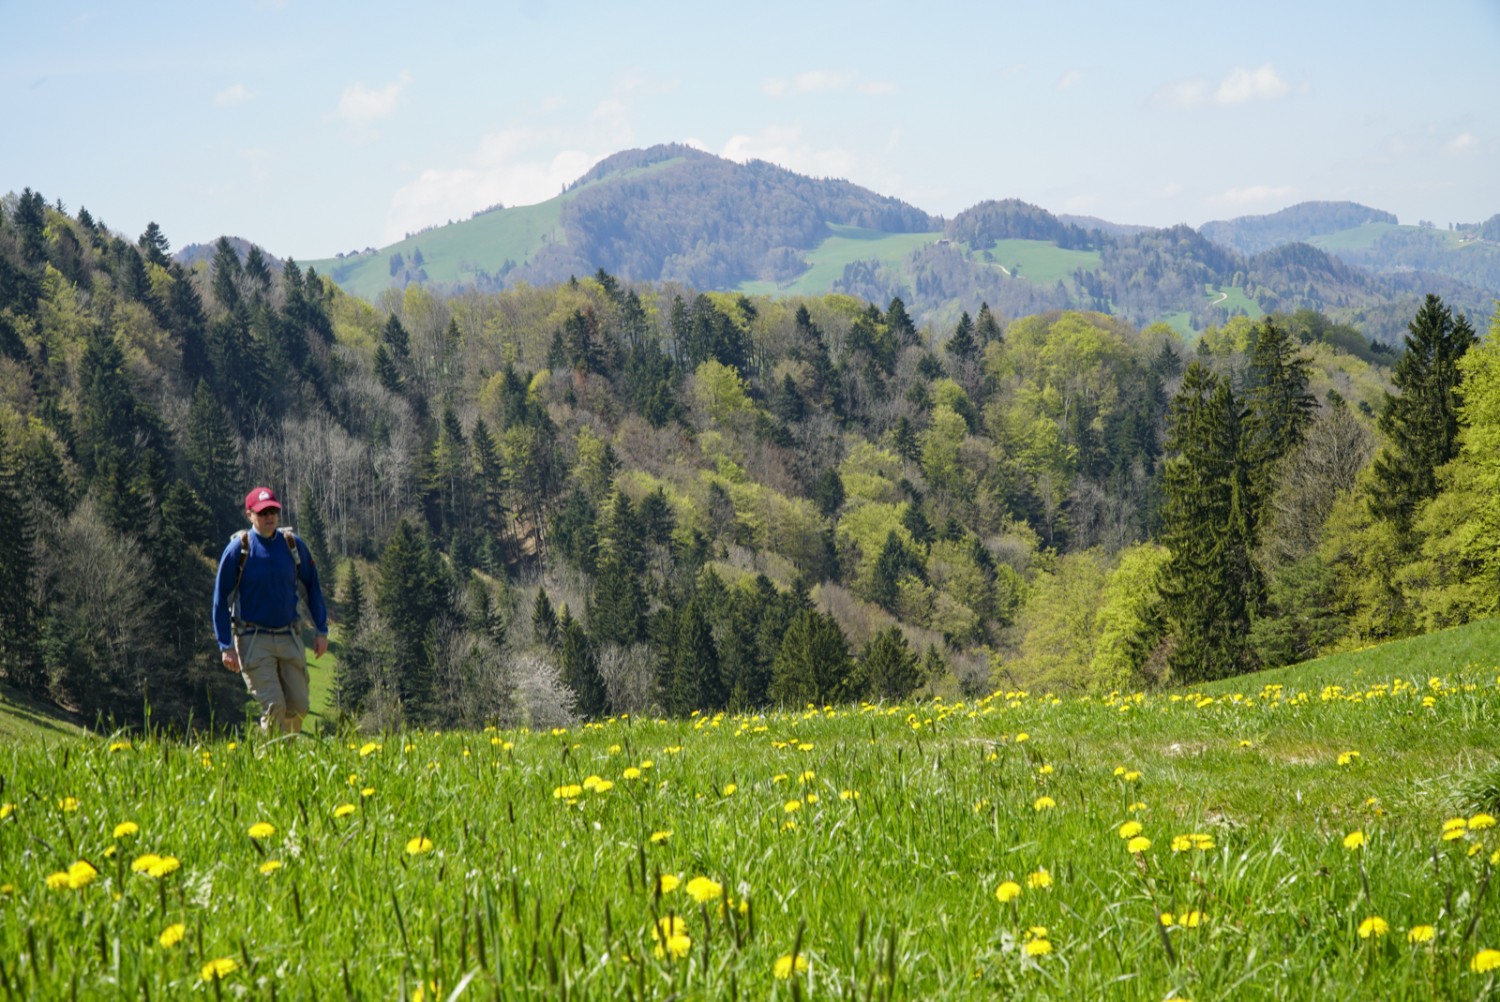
(1260, 84)
(1240, 86)
(824, 81)
(1254, 194)
(786, 147)
(1069, 79)
(361, 105)
(1464, 142)
(233, 94)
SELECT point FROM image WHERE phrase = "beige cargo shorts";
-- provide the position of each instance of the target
(274, 667)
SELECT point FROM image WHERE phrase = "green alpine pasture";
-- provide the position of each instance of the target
(847, 244)
(1324, 831)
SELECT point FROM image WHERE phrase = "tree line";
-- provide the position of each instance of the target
(598, 497)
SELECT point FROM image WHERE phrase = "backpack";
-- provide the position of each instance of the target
(304, 617)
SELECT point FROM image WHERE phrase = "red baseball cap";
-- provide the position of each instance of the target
(261, 498)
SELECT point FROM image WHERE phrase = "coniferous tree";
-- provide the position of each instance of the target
(694, 682)
(227, 272)
(411, 597)
(1421, 424)
(313, 530)
(962, 345)
(900, 323)
(986, 327)
(544, 624)
(580, 668)
(213, 461)
(812, 664)
(890, 665)
(20, 657)
(1210, 579)
(1279, 409)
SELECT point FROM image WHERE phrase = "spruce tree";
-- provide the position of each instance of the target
(962, 345)
(313, 530)
(694, 682)
(544, 625)
(580, 669)
(1278, 411)
(1421, 424)
(213, 460)
(890, 665)
(20, 655)
(412, 595)
(812, 664)
(1210, 580)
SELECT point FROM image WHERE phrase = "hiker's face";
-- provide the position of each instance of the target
(265, 520)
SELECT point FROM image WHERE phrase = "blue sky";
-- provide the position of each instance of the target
(313, 128)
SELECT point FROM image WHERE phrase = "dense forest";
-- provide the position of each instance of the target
(599, 496)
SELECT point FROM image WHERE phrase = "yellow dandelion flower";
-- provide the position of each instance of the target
(1354, 840)
(1038, 947)
(270, 866)
(646, 764)
(1044, 770)
(1023, 736)
(1138, 845)
(811, 798)
(1182, 843)
(58, 880)
(786, 965)
(418, 845)
(570, 791)
(262, 829)
(1136, 807)
(631, 773)
(1190, 920)
(172, 934)
(1202, 842)
(218, 969)
(1132, 776)
(1044, 804)
(703, 890)
(1373, 926)
(1454, 834)
(729, 789)
(603, 786)
(667, 883)
(125, 829)
(1420, 934)
(1455, 824)
(6, 810)
(1119, 770)
(1485, 961)
(1348, 757)
(659, 837)
(805, 746)
(780, 777)
(144, 863)
(1480, 822)
(115, 746)
(1130, 829)
(792, 806)
(1166, 919)
(163, 866)
(1039, 879)
(343, 810)
(81, 874)
(368, 791)
(369, 748)
(789, 825)
(68, 805)
(614, 749)
(807, 777)
(1007, 892)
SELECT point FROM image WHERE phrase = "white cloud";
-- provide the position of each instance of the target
(233, 94)
(1260, 84)
(1069, 79)
(1238, 87)
(877, 88)
(1183, 94)
(1253, 195)
(786, 147)
(1464, 142)
(361, 104)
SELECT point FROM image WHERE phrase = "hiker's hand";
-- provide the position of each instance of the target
(231, 660)
(320, 646)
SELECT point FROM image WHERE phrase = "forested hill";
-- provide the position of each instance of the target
(1296, 224)
(676, 214)
(603, 496)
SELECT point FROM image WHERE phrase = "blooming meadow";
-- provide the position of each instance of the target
(1279, 842)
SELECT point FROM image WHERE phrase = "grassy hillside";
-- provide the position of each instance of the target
(1243, 841)
(847, 245)
(450, 254)
(24, 720)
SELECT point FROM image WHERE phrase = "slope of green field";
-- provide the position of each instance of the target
(847, 245)
(25, 720)
(1366, 236)
(450, 254)
(1327, 831)
(1039, 261)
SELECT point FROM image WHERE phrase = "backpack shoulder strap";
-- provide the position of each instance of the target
(291, 544)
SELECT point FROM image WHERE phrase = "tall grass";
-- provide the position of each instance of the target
(1279, 841)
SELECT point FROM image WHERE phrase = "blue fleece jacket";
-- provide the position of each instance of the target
(268, 589)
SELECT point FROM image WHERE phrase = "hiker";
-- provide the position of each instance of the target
(267, 582)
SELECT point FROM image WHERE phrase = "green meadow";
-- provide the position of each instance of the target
(848, 244)
(1324, 831)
